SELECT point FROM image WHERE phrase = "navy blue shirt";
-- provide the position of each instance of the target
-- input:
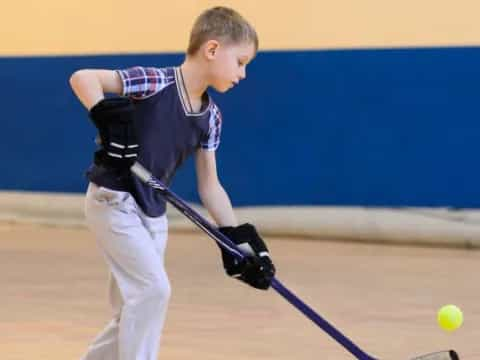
(167, 132)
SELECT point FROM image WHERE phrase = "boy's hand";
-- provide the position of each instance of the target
(114, 120)
(256, 269)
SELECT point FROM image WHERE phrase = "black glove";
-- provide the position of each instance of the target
(256, 268)
(114, 119)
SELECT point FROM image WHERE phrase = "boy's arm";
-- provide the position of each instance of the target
(91, 85)
(113, 117)
(211, 192)
(256, 269)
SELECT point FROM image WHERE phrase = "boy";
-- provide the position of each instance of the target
(163, 116)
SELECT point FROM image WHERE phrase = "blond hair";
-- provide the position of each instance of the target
(222, 24)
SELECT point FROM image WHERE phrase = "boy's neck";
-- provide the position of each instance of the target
(195, 79)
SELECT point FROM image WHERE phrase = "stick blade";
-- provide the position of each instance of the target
(442, 355)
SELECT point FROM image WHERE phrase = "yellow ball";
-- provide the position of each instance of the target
(450, 317)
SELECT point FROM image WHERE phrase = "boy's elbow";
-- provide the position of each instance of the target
(77, 77)
(207, 187)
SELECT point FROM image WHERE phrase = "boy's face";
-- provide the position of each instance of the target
(228, 64)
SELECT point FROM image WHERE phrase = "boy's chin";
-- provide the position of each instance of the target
(222, 89)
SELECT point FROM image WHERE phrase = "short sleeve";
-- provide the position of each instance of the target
(212, 140)
(142, 82)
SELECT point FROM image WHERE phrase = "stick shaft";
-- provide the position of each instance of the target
(226, 243)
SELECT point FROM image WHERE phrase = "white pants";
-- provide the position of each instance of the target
(133, 245)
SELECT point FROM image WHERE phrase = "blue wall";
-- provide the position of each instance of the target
(357, 127)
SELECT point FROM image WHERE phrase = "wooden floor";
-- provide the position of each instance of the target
(53, 299)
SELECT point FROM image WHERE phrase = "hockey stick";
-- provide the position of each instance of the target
(144, 175)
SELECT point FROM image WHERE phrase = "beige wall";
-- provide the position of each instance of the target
(29, 27)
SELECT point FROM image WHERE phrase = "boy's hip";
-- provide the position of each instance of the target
(117, 207)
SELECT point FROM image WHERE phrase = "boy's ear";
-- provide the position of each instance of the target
(211, 49)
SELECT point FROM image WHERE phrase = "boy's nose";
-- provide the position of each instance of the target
(243, 74)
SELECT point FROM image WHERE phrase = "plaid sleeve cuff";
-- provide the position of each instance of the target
(212, 140)
(142, 82)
